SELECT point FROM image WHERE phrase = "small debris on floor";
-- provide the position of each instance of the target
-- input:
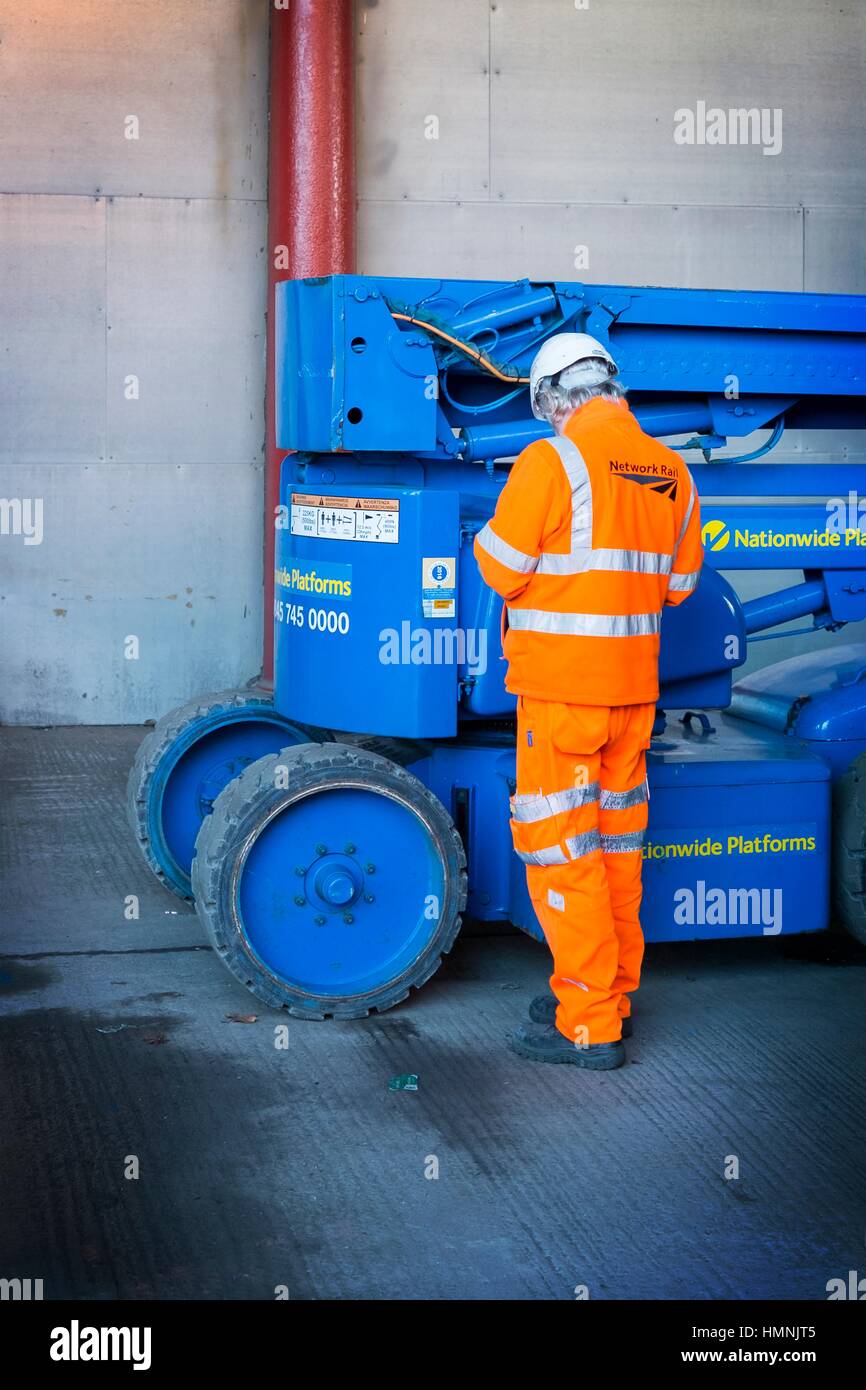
(242, 1018)
(408, 1081)
(115, 1028)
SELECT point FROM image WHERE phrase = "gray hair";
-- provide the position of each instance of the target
(557, 402)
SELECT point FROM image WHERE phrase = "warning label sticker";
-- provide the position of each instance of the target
(346, 518)
(438, 586)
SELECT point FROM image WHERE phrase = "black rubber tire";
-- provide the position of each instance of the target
(849, 849)
(244, 804)
(153, 749)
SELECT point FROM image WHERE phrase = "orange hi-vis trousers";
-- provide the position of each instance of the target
(578, 822)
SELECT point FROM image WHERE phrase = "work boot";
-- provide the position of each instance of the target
(543, 1010)
(545, 1043)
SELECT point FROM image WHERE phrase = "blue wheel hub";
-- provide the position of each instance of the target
(339, 892)
(205, 757)
(217, 779)
(334, 882)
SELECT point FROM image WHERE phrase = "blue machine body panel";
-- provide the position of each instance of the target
(352, 644)
(738, 841)
(404, 400)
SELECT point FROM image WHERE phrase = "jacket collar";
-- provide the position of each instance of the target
(595, 411)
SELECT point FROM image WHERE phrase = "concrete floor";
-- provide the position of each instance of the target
(262, 1167)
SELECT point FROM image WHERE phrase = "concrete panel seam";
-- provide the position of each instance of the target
(107, 195)
(558, 203)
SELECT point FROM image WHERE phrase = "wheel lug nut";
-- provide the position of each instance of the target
(300, 870)
(321, 849)
(348, 918)
(369, 868)
(299, 900)
(350, 849)
(368, 898)
(320, 921)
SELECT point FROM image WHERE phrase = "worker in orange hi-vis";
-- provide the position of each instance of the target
(594, 532)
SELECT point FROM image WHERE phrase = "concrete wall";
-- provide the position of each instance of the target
(556, 130)
(553, 141)
(131, 258)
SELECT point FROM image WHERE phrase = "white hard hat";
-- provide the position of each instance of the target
(565, 350)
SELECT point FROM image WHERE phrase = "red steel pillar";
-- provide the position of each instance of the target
(311, 189)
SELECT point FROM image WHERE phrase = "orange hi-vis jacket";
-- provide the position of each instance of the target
(594, 532)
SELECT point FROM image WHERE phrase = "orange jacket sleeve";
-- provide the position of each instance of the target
(689, 552)
(508, 548)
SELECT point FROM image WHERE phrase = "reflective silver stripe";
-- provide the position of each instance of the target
(572, 461)
(618, 801)
(575, 562)
(578, 845)
(552, 855)
(631, 561)
(577, 473)
(503, 552)
(688, 516)
(534, 808)
(585, 624)
(683, 583)
(622, 844)
(678, 583)
(606, 558)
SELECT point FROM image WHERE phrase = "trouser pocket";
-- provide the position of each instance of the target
(554, 812)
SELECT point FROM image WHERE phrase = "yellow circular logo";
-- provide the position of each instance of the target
(715, 535)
